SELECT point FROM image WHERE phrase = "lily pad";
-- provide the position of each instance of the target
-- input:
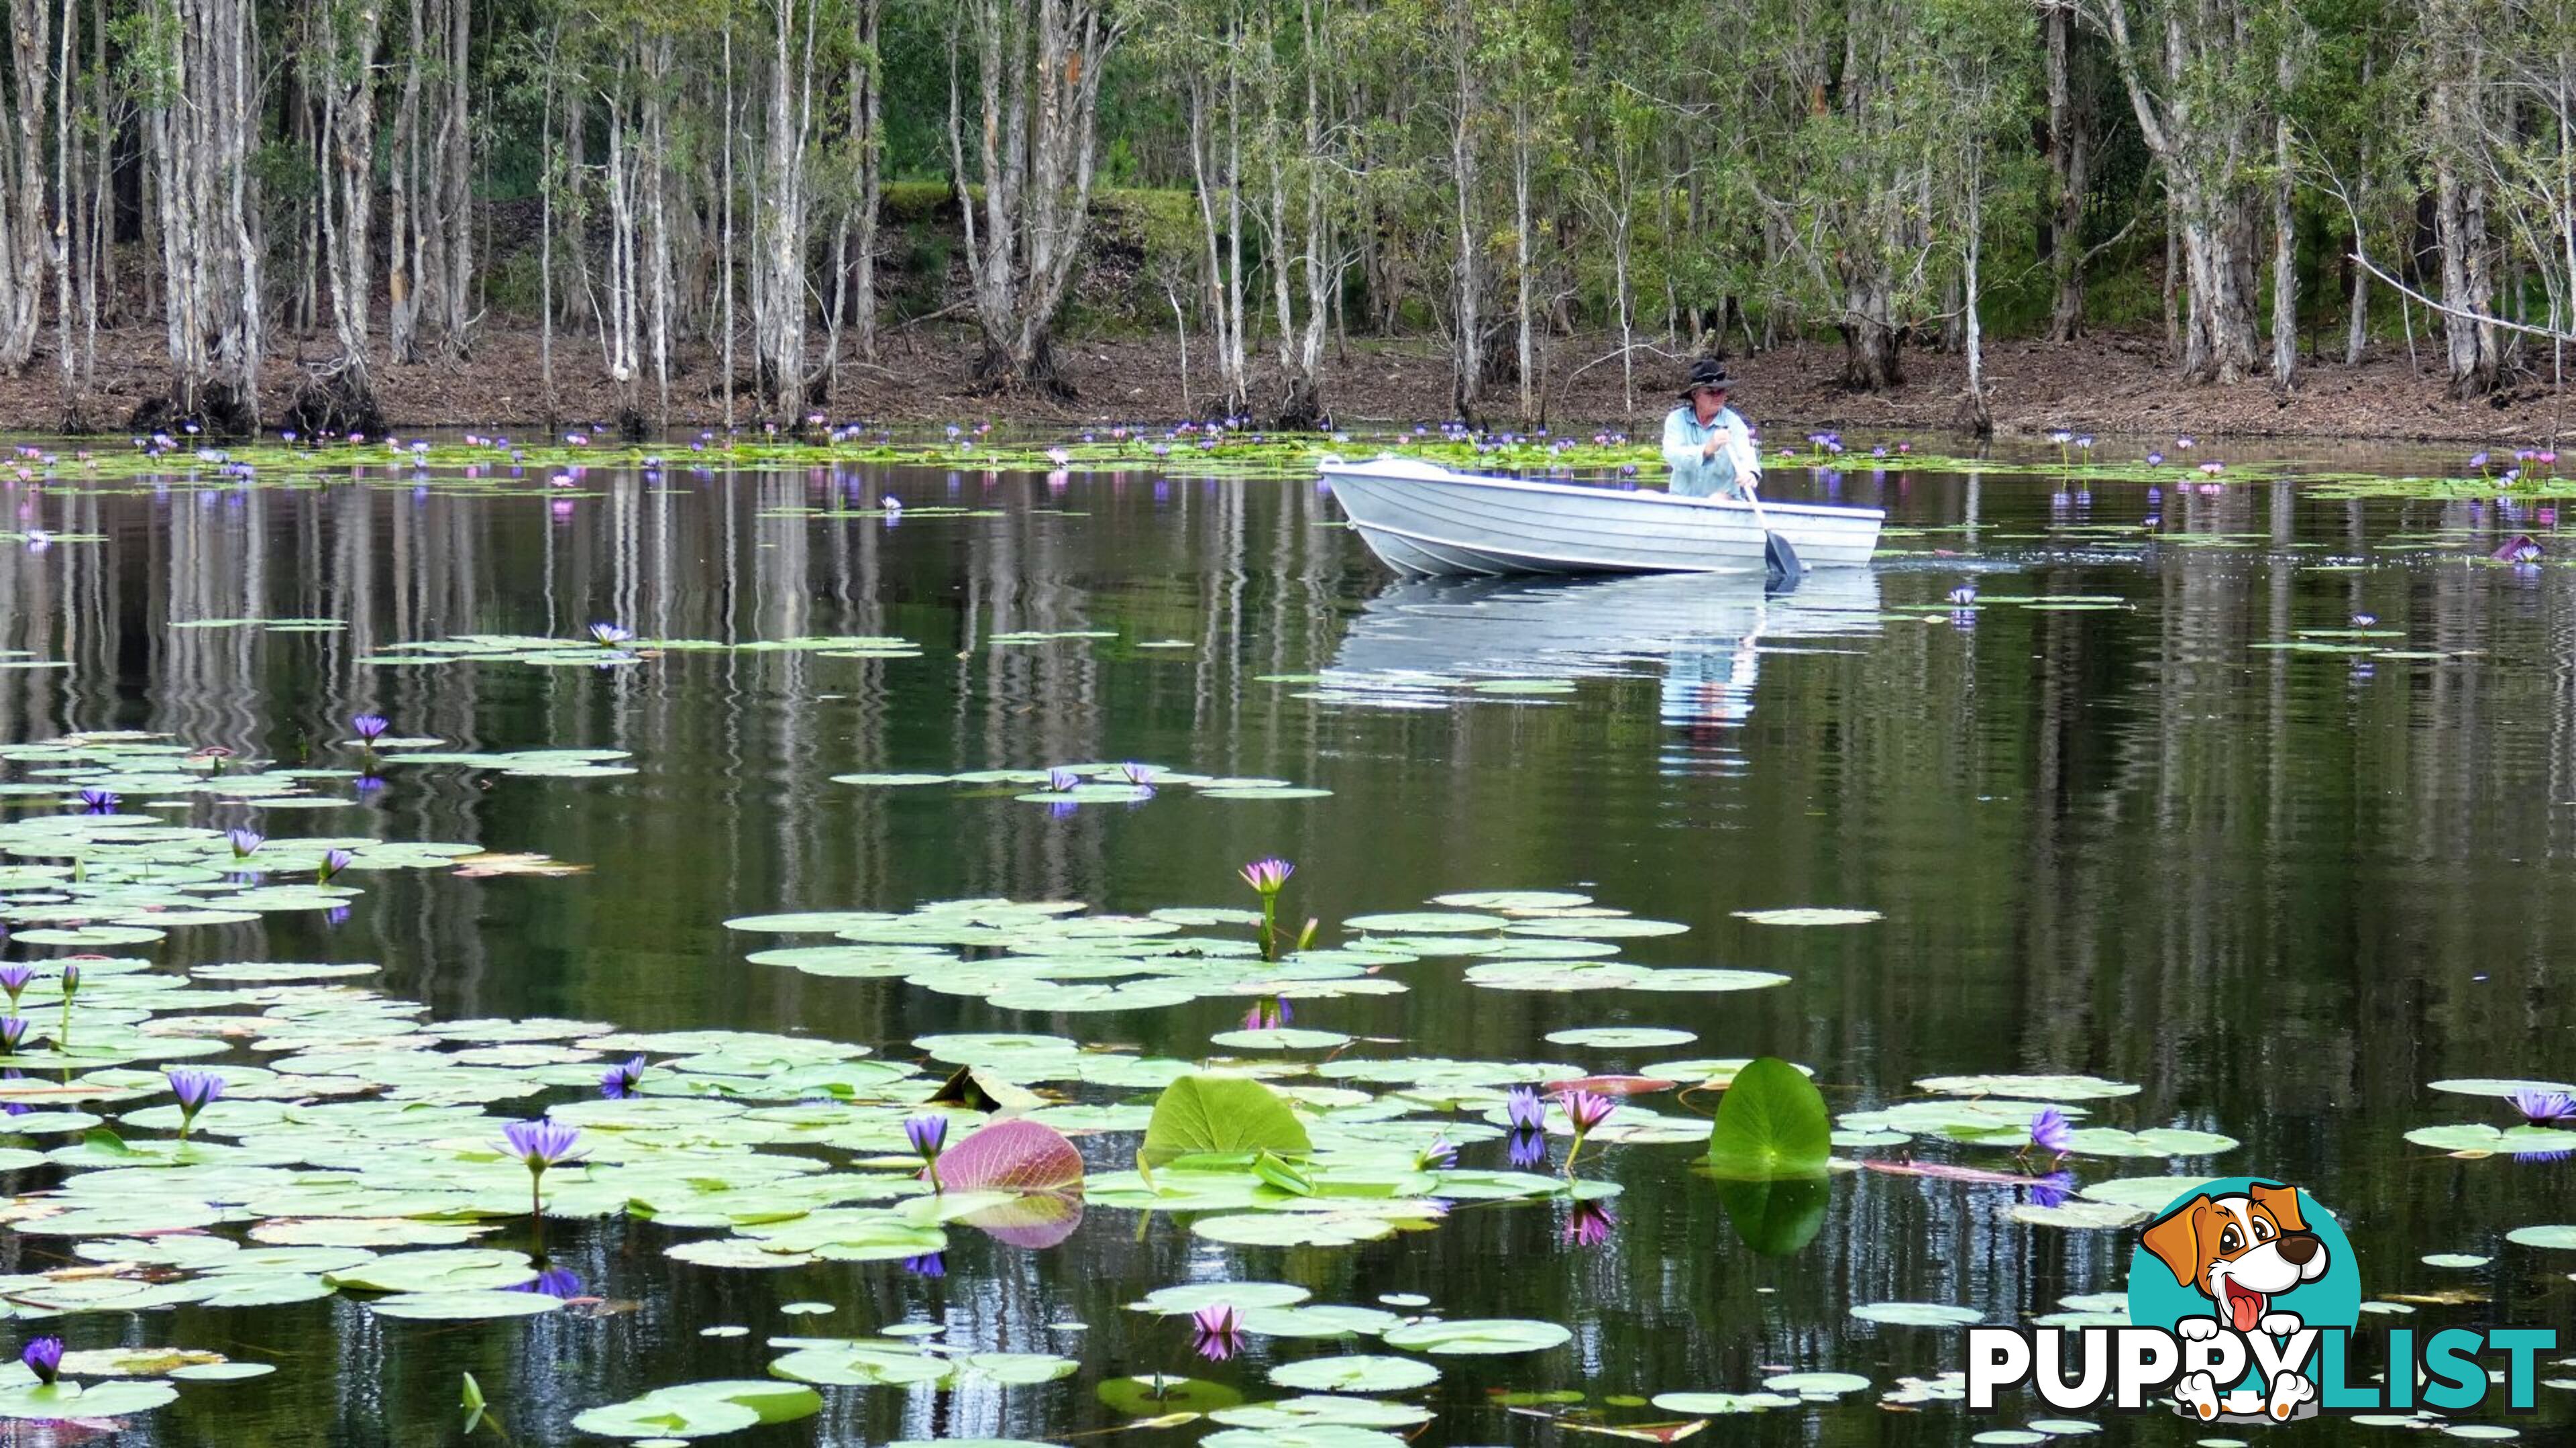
(1479, 1336)
(1809, 915)
(1355, 1373)
(1917, 1314)
(700, 1410)
(1220, 1116)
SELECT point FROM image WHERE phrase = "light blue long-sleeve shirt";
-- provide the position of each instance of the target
(1684, 437)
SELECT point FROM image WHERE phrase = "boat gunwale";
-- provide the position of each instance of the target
(1851, 513)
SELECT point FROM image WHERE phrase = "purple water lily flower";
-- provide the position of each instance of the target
(1527, 1149)
(2521, 548)
(555, 1282)
(619, 1081)
(369, 727)
(1140, 775)
(1589, 1225)
(928, 1264)
(2478, 459)
(2050, 1132)
(2155, 459)
(332, 863)
(928, 1134)
(1963, 596)
(43, 1357)
(1439, 1155)
(1218, 1331)
(196, 1091)
(1526, 1110)
(2544, 1108)
(98, 801)
(609, 635)
(1268, 1015)
(1268, 876)
(13, 1034)
(246, 842)
(1063, 781)
(14, 979)
(541, 1143)
(2364, 620)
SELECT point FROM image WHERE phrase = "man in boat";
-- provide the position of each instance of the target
(1707, 446)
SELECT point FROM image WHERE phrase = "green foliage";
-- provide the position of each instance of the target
(1771, 1125)
(1221, 1116)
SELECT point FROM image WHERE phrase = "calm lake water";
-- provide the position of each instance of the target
(2279, 890)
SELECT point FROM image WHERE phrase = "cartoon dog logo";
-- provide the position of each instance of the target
(2240, 1251)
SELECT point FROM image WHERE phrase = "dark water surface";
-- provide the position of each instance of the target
(2280, 890)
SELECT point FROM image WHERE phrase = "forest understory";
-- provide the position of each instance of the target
(2112, 385)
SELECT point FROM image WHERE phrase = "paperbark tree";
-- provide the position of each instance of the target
(2200, 87)
(1036, 68)
(198, 111)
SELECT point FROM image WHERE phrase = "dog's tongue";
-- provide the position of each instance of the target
(2243, 1307)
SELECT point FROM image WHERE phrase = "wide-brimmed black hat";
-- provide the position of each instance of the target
(1706, 372)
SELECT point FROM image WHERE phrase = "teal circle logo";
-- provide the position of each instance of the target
(2246, 1252)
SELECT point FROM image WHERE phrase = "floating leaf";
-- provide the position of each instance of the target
(1479, 1335)
(1917, 1314)
(464, 1305)
(1716, 1404)
(1190, 1297)
(1772, 1123)
(71, 1400)
(1220, 1116)
(2038, 1088)
(1621, 1036)
(1012, 1156)
(699, 1410)
(1809, 915)
(1355, 1373)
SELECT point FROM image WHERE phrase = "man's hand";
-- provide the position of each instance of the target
(1709, 451)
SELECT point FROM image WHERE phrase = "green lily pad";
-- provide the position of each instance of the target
(700, 1410)
(2038, 1088)
(1220, 1116)
(67, 1399)
(463, 1306)
(1809, 915)
(1917, 1314)
(1190, 1297)
(1621, 1036)
(1355, 1373)
(1711, 1405)
(1479, 1335)
(1426, 922)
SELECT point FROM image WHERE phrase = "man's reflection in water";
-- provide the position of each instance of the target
(1707, 694)
(1710, 686)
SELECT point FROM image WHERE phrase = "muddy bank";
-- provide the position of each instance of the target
(2109, 385)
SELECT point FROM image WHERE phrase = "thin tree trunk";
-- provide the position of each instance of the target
(2069, 143)
(1468, 362)
(2285, 240)
(24, 226)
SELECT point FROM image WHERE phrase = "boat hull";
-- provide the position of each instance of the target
(1424, 519)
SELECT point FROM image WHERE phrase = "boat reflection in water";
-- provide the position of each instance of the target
(1429, 643)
